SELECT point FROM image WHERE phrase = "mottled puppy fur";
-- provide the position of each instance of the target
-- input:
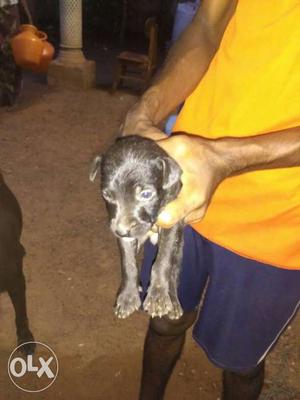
(138, 179)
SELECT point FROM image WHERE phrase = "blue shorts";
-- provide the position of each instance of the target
(246, 305)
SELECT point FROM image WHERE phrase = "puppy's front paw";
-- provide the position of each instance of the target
(128, 301)
(158, 301)
(177, 311)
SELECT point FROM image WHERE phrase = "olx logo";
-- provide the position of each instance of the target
(33, 373)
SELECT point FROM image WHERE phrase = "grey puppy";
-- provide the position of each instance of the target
(138, 179)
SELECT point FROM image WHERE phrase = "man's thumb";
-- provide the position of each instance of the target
(172, 213)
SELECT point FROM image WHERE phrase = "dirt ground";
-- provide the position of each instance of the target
(72, 263)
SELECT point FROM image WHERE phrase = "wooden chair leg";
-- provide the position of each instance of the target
(123, 72)
(117, 77)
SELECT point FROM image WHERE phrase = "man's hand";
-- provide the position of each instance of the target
(139, 122)
(186, 64)
(206, 162)
(203, 169)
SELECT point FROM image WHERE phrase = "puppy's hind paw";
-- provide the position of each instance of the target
(127, 303)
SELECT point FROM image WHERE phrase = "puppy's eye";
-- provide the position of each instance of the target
(146, 194)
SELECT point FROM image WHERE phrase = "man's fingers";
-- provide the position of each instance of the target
(190, 205)
(168, 217)
(147, 132)
(175, 211)
(154, 134)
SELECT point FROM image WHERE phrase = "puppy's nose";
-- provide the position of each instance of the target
(124, 231)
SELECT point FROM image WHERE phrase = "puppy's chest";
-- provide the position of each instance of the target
(153, 235)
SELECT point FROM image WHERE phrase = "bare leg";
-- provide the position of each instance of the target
(243, 386)
(163, 346)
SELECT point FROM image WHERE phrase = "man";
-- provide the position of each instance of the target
(10, 73)
(237, 69)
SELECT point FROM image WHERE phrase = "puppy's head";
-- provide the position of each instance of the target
(137, 180)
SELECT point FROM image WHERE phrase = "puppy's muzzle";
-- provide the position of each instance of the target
(124, 231)
(129, 229)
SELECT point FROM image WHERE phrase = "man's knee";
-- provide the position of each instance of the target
(172, 327)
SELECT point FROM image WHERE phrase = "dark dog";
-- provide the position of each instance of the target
(11, 262)
(138, 179)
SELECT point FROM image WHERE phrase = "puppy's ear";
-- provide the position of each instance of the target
(95, 168)
(171, 172)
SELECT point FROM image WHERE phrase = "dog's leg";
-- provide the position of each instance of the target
(162, 296)
(176, 313)
(17, 294)
(128, 299)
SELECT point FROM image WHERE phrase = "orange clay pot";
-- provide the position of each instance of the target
(27, 47)
(47, 53)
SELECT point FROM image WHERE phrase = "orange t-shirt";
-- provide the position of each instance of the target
(253, 87)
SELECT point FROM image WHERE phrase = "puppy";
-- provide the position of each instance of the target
(11, 262)
(138, 179)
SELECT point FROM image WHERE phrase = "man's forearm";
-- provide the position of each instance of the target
(279, 149)
(207, 162)
(186, 63)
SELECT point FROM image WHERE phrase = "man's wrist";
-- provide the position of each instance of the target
(238, 154)
(150, 105)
